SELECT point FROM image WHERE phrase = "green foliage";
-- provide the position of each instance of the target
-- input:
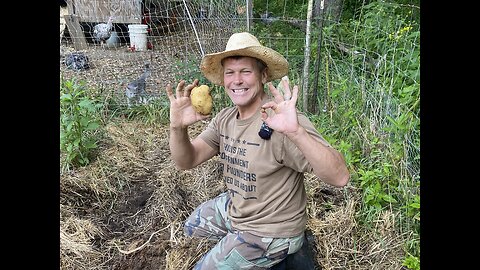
(290, 8)
(155, 111)
(411, 262)
(79, 124)
(190, 68)
(220, 98)
(278, 36)
(373, 183)
(353, 9)
(373, 93)
(370, 93)
(351, 158)
(413, 208)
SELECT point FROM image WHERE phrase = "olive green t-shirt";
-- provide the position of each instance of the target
(264, 177)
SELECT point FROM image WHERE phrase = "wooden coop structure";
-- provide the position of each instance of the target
(179, 33)
(123, 12)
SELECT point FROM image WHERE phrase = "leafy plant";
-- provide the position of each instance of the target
(411, 262)
(372, 181)
(79, 123)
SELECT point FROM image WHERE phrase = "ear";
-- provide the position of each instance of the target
(264, 75)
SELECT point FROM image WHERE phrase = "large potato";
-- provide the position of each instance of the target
(201, 99)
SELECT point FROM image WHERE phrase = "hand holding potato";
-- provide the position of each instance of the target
(182, 112)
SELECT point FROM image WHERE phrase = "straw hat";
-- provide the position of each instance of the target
(244, 44)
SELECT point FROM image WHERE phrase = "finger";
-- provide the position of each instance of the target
(295, 94)
(280, 87)
(178, 91)
(270, 105)
(189, 88)
(263, 114)
(170, 93)
(287, 94)
(168, 88)
(276, 94)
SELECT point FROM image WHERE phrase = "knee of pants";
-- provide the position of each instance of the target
(192, 223)
(188, 229)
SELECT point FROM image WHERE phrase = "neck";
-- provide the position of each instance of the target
(248, 111)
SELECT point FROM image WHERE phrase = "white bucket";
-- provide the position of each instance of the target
(138, 36)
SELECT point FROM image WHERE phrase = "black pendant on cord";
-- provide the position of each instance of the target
(265, 132)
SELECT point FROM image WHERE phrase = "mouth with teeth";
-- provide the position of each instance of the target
(240, 91)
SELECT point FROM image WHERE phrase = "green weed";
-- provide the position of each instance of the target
(79, 124)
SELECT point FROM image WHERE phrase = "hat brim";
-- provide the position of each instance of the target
(212, 69)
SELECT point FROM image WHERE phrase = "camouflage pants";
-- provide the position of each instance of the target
(235, 249)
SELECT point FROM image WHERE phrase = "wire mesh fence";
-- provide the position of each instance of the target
(364, 83)
(179, 33)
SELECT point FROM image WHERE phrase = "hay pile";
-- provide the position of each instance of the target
(126, 210)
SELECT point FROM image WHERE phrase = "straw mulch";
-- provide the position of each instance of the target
(126, 210)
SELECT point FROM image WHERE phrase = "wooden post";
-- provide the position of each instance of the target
(76, 32)
(319, 20)
(307, 57)
(249, 14)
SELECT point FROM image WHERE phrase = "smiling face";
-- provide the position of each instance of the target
(243, 79)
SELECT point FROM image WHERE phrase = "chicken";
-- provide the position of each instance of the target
(268, 18)
(77, 61)
(135, 90)
(103, 31)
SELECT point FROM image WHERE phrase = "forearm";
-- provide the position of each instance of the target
(328, 164)
(181, 148)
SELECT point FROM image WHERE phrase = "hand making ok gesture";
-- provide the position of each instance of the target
(284, 117)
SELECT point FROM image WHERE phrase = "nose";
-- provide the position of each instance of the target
(238, 79)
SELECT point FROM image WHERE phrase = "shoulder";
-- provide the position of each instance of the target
(223, 116)
(311, 129)
(226, 113)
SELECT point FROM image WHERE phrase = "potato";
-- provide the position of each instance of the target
(201, 99)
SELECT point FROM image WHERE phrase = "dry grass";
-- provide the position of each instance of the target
(126, 210)
(76, 243)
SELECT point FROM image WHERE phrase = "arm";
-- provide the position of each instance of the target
(185, 153)
(327, 163)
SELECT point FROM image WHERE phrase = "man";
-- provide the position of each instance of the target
(265, 146)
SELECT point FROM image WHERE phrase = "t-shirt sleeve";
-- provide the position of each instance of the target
(210, 134)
